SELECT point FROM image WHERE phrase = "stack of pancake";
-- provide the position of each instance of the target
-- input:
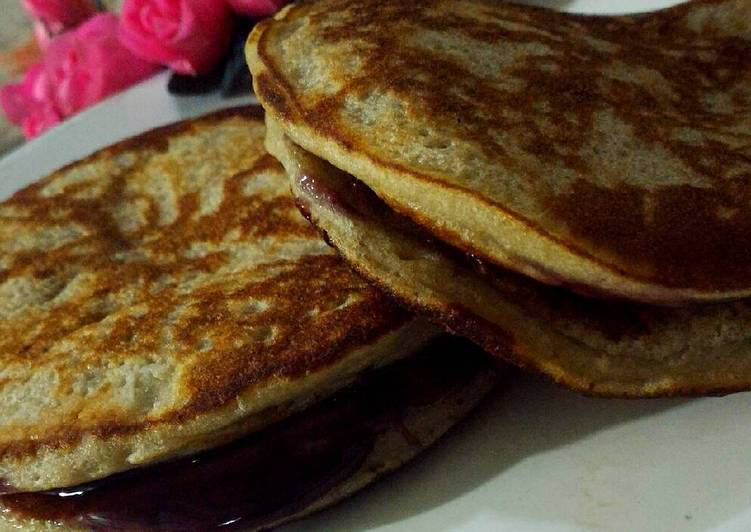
(572, 193)
(181, 349)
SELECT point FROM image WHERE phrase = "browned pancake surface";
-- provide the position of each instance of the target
(164, 295)
(623, 141)
(599, 347)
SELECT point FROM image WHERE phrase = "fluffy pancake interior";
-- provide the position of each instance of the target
(612, 348)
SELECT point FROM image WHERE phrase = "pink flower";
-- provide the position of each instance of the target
(29, 104)
(256, 8)
(87, 65)
(79, 68)
(59, 15)
(189, 36)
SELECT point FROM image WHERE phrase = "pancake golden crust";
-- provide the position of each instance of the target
(597, 347)
(300, 465)
(164, 295)
(610, 154)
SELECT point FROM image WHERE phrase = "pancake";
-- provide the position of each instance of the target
(164, 296)
(598, 347)
(295, 467)
(611, 155)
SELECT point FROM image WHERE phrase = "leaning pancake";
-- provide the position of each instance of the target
(164, 296)
(608, 154)
(599, 347)
(289, 469)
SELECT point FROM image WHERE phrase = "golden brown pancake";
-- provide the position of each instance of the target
(611, 155)
(165, 296)
(297, 466)
(598, 347)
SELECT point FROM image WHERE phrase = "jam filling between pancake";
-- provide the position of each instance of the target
(267, 476)
(614, 317)
(343, 192)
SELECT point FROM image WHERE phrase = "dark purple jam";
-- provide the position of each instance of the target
(263, 478)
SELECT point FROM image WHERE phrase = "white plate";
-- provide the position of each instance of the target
(533, 458)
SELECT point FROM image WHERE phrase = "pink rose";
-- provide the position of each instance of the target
(256, 8)
(79, 68)
(88, 64)
(29, 104)
(189, 36)
(59, 15)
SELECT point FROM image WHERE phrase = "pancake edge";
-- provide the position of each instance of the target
(506, 331)
(575, 267)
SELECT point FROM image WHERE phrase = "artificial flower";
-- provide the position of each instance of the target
(189, 36)
(78, 69)
(256, 8)
(88, 64)
(29, 103)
